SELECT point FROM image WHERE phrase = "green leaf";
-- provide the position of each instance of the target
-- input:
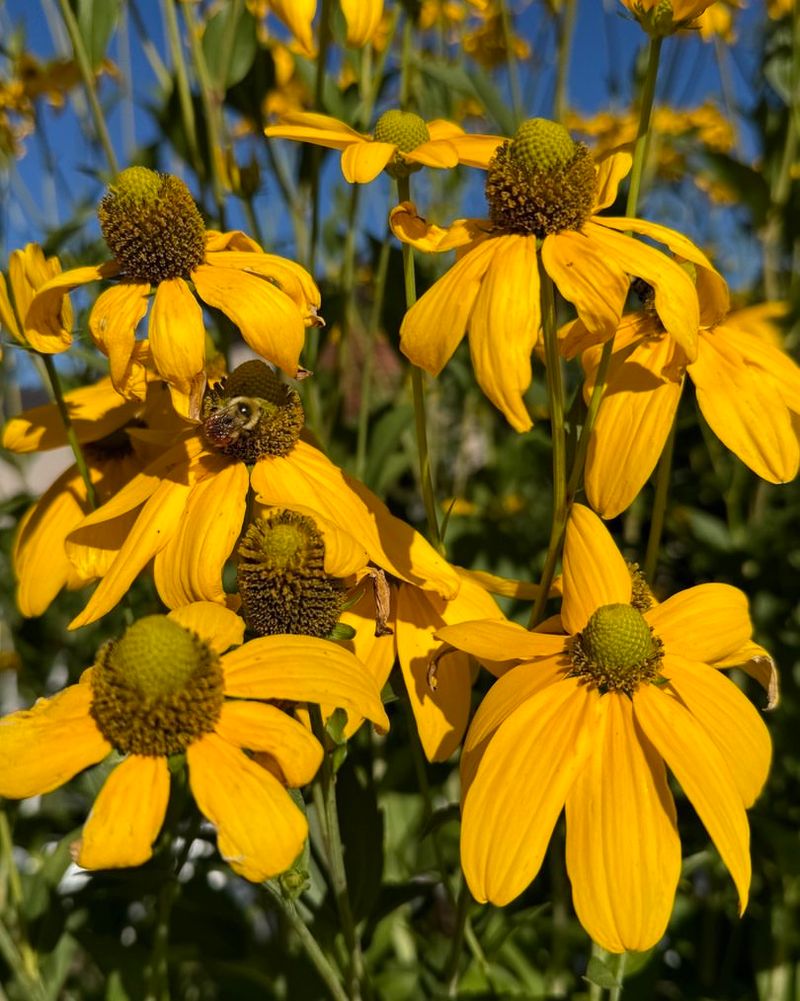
(96, 21)
(230, 48)
(600, 974)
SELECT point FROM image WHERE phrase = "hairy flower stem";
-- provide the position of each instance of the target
(327, 973)
(87, 76)
(555, 401)
(418, 388)
(643, 132)
(72, 438)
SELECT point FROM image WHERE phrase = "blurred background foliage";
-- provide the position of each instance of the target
(187, 87)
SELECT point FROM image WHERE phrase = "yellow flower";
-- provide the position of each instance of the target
(589, 720)
(402, 142)
(190, 503)
(28, 271)
(488, 43)
(167, 688)
(717, 21)
(544, 193)
(747, 388)
(659, 18)
(156, 234)
(362, 17)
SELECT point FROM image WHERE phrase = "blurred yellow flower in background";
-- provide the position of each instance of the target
(28, 271)
(589, 720)
(665, 17)
(362, 18)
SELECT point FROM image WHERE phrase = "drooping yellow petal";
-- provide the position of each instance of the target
(43, 747)
(745, 410)
(232, 239)
(410, 227)
(269, 320)
(728, 717)
(259, 727)
(189, 567)
(435, 153)
(287, 276)
(8, 317)
(507, 694)
(363, 161)
(298, 16)
(520, 787)
(675, 294)
(632, 424)
(308, 478)
(610, 171)
(127, 815)
(758, 663)
(749, 336)
(623, 849)
(157, 522)
(216, 625)
(595, 574)
(504, 326)
(44, 329)
(177, 334)
(590, 278)
(474, 150)
(258, 842)
(704, 775)
(95, 411)
(432, 329)
(363, 18)
(303, 669)
(486, 639)
(113, 321)
(322, 130)
(706, 622)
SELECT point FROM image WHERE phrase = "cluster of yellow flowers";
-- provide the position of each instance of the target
(191, 469)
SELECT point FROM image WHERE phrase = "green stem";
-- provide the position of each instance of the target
(182, 82)
(579, 461)
(316, 153)
(87, 76)
(72, 438)
(616, 992)
(320, 961)
(511, 62)
(643, 132)
(565, 31)
(659, 505)
(462, 913)
(595, 990)
(418, 389)
(555, 401)
(369, 356)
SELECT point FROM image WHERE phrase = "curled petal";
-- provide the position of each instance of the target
(409, 227)
(113, 322)
(44, 328)
(265, 728)
(610, 171)
(218, 626)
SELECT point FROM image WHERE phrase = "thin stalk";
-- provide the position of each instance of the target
(511, 63)
(172, 32)
(643, 132)
(555, 401)
(595, 990)
(87, 76)
(659, 505)
(579, 461)
(565, 31)
(316, 153)
(418, 390)
(616, 992)
(327, 973)
(72, 438)
(462, 913)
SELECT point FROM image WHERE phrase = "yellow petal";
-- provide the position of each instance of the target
(632, 424)
(44, 329)
(706, 622)
(363, 161)
(259, 727)
(411, 228)
(303, 669)
(8, 318)
(435, 153)
(704, 775)
(750, 336)
(757, 662)
(260, 831)
(218, 626)
(307, 478)
(344, 555)
(127, 815)
(505, 586)
(520, 787)
(675, 293)
(590, 278)
(441, 128)
(189, 567)
(321, 130)
(43, 747)
(610, 171)
(745, 410)
(475, 150)
(376, 653)
(728, 718)
(298, 16)
(269, 320)
(232, 239)
(623, 849)
(157, 522)
(432, 329)
(287, 276)
(595, 574)
(363, 18)
(177, 334)
(113, 322)
(486, 639)
(504, 326)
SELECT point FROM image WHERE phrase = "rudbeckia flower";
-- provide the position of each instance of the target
(28, 271)
(160, 245)
(659, 18)
(591, 720)
(748, 390)
(544, 193)
(166, 688)
(190, 502)
(402, 142)
(362, 18)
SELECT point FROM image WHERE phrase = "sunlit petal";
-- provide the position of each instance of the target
(595, 574)
(706, 622)
(362, 162)
(218, 626)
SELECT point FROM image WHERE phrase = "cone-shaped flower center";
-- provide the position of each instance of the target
(157, 689)
(282, 579)
(541, 181)
(402, 128)
(252, 414)
(152, 226)
(617, 649)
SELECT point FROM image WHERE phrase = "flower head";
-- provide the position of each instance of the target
(664, 17)
(590, 719)
(402, 142)
(165, 688)
(28, 271)
(544, 193)
(160, 245)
